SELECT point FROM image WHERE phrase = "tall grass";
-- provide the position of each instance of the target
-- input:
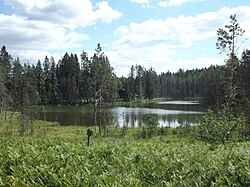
(122, 162)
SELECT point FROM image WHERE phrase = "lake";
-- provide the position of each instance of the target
(170, 113)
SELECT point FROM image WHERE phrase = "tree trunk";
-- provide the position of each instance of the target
(95, 116)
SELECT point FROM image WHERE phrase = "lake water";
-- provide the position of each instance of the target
(170, 113)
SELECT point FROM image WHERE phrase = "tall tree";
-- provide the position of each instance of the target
(151, 84)
(245, 82)
(40, 82)
(30, 93)
(5, 64)
(17, 80)
(139, 84)
(131, 84)
(5, 83)
(103, 81)
(53, 83)
(5, 61)
(227, 42)
(85, 77)
(245, 73)
(68, 74)
(103, 78)
(47, 78)
(227, 37)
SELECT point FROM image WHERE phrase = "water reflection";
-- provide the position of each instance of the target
(169, 114)
(134, 116)
(178, 102)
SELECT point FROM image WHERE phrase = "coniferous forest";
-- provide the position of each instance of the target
(82, 81)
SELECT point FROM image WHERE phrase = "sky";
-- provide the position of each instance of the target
(166, 35)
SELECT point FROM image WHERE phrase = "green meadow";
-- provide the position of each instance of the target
(59, 156)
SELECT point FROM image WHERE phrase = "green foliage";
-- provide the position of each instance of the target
(220, 128)
(68, 73)
(13, 124)
(228, 37)
(119, 162)
(151, 120)
(184, 130)
(150, 129)
(124, 129)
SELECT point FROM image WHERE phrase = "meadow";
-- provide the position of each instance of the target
(58, 156)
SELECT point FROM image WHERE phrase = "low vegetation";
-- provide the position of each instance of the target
(58, 156)
(122, 162)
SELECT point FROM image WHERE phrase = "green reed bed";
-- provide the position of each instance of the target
(122, 162)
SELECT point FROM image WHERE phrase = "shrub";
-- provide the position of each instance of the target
(151, 124)
(220, 128)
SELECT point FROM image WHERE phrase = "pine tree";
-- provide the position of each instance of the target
(53, 83)
(30, 92)
(17, 89)
(40, 82)
(47, 80)
(5, 83)
(227, 42)
(139, 82)
(68, 75)
(131, 84)
(103, 87)
(85, 77)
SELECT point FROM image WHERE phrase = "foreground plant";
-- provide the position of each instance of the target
(220, 128)
(122, 162)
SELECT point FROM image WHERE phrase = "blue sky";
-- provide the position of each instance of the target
(164, 34)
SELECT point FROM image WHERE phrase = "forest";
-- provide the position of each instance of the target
(72, 82)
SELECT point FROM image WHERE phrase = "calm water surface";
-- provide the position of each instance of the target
(170, 113)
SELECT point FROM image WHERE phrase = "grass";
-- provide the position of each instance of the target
(58, 156)
(122, 162)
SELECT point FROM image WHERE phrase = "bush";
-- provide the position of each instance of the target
(220, 128)
(151, 124)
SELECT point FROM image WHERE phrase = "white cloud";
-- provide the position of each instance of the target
(180, 31)
(175, 2)
(37, 27)
(20, 33)
(32, 56)
(69, 14)
(106, 13)
(204, 48)
(143, 2)
(188, 64)
(156, 42)
(123, 57)
(176, 32)
(162, 3)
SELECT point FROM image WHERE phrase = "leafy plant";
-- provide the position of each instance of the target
(150, 128)
(219, 128)
(122, 162)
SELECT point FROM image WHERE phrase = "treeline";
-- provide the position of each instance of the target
(48, 83)
(72, 82)
(209, 84)
(143, 83)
